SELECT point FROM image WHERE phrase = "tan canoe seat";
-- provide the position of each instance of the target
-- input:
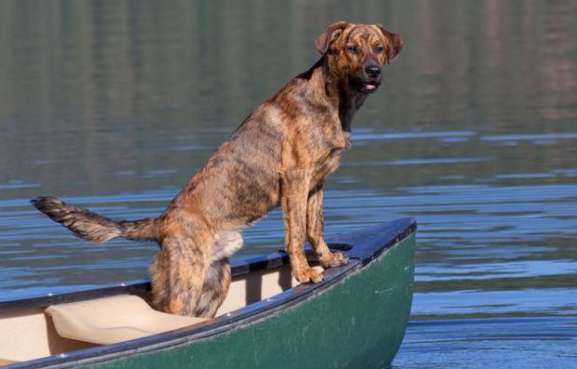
(4, 362)
(113, 319)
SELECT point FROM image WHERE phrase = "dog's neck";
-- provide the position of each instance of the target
(338, 94)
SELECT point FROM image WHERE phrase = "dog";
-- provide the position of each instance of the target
(280, 155)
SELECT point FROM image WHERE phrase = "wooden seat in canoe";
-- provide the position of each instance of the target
(113, 319)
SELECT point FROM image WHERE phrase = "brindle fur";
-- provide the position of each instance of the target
(279, 155)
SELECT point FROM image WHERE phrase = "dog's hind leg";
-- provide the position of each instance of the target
(178, 273)
(217, 280)
(214, 289)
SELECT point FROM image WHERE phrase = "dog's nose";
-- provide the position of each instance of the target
(373, 71)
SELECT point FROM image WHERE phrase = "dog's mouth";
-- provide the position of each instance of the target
(369, 87)
(366, 86)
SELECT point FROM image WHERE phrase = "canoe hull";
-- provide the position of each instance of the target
(356, 323)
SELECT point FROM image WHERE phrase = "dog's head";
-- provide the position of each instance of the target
(356, 53)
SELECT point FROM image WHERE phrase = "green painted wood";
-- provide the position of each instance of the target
(358, 323)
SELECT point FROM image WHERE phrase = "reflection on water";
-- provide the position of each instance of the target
(113, 105)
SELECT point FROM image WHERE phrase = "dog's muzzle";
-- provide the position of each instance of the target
(371, 79)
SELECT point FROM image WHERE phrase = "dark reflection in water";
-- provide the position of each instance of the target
(113, 105)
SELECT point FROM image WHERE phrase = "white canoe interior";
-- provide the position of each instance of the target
(34, 332)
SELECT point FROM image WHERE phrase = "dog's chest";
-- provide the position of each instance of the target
(330, 158)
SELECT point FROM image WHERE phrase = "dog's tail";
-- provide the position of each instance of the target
(93, 227)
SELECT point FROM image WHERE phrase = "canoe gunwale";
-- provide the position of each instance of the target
(365, 250)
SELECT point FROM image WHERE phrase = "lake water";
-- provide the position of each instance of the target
(114, 105)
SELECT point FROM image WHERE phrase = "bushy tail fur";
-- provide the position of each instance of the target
(93, 227)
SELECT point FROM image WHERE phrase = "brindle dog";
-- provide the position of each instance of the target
(279, 155)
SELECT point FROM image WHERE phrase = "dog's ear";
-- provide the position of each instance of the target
(395, 43)
(331, 34)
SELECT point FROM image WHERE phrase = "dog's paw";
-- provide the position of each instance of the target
(306, 275)
(333, 259)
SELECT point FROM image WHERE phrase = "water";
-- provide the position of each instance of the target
(113, 105)
(494, 343)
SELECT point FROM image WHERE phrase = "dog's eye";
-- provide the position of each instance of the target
(353, 49)
(379, 49)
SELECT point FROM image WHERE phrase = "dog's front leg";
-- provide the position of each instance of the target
(294, 196)
(315, 232)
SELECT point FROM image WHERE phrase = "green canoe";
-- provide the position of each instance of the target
(355, 318)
